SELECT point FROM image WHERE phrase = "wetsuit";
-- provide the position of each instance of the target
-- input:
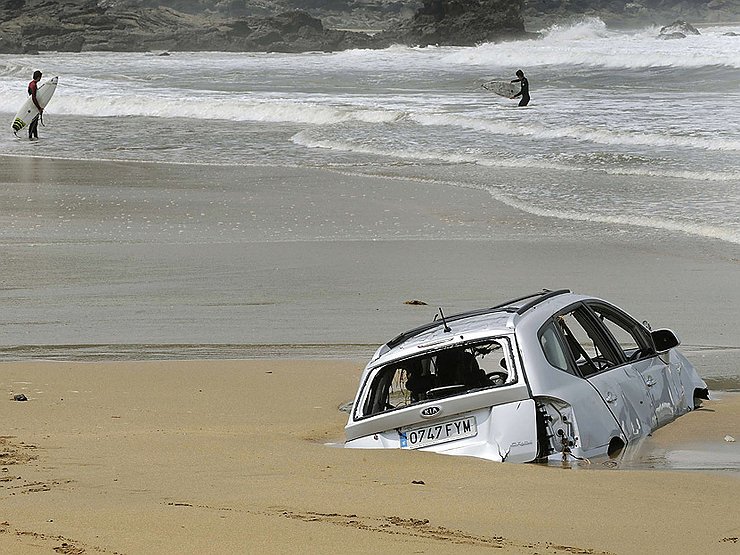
(33, 128)
(524, 93)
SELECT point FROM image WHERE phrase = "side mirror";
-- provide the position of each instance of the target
(664, 340)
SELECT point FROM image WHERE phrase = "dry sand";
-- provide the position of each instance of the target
(230, 457)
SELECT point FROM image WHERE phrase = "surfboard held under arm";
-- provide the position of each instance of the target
(29, 111)
(502, 88)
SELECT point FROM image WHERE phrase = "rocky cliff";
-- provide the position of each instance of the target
(382, 14)
(89, 25)
(275, 25)
(130, 25)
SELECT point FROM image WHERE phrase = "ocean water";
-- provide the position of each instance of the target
(623, 127)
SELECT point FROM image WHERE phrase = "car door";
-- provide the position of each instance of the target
(624, 392)
(560, 386)
(658, 382)
(602, 363)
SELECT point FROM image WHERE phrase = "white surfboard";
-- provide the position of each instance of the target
(503, 88)
(29, 111)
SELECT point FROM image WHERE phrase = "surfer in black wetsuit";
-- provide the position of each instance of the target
(524, 93)
(33, 128)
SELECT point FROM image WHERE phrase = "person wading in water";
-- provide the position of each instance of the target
(524, 93)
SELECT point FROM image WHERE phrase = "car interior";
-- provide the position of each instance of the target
(438, 375)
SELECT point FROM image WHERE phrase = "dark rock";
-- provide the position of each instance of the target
(671, 36)
(459, 23)
(20, 397)
(147, 25)
(679, 28)
(295, 21)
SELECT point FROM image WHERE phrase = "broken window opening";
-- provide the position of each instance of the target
(440, 374)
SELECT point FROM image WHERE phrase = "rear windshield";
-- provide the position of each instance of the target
(454, 371)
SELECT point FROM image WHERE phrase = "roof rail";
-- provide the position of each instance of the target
(539, 297)
(546, 294)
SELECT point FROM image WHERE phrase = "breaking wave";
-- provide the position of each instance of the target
(589, 43)
(426, 155)
(500, 160)
(245, 108)
(213, 107)
(580, 133)
(645, 221)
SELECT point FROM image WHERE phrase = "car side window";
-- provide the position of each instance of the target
(631, 336)
(387, 391)
(552, 348)
(589, 348)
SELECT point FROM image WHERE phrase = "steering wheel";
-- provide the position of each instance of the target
(497, 377)
(601, 363)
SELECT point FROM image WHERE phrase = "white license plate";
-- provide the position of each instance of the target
(440, 432)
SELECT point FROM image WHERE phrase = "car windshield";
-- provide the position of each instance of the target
(439, 374)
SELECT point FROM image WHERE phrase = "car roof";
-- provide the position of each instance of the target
(499, 319)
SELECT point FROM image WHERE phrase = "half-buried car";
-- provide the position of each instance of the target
(549, 376)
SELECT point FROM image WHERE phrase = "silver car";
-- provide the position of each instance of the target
(550, 376)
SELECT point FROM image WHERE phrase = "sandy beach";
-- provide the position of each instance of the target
(230, 457)
(118, 262)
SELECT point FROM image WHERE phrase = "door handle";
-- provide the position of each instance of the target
(610, 397)
(650, 381)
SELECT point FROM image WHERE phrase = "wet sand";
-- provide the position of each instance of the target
(117, 253)
(230, 457)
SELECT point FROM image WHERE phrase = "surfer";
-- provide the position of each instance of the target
(524, 93)
(33, 128)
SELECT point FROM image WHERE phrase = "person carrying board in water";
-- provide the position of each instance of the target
(33, 86)
(524, 93)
